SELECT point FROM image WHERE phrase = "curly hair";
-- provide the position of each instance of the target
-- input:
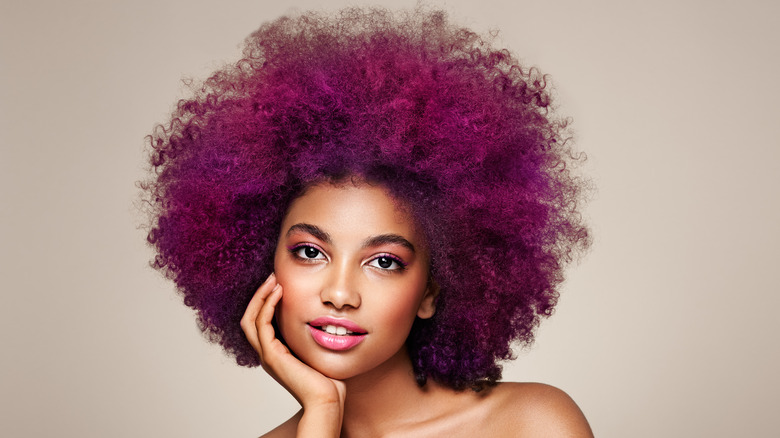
(450, 125)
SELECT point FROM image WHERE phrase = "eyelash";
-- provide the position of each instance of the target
(401, 265)
(295, 251)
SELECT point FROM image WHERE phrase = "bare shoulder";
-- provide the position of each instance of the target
(536, 409)
(286, 429)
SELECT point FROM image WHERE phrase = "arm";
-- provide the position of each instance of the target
(321, 398)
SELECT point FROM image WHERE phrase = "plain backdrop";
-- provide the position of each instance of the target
(667, 328)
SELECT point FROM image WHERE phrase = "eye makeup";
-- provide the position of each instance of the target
(307, 252)
(387, 259)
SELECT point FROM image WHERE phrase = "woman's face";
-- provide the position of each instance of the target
(354, 272)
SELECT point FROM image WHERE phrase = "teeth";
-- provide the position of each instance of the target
(339, 331)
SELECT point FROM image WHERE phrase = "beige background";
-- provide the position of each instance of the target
(668, 327)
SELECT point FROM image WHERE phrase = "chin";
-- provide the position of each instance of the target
(336, 374)
(335, 371)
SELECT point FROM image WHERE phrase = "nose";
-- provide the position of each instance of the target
(340, 290)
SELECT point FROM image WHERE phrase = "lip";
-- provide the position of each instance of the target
(338, 322)
(336, 342)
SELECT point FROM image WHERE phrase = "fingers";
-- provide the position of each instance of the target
(264, 320)
(249, 320)
(307, 385)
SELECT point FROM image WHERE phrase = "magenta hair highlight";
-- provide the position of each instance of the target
(454, 128)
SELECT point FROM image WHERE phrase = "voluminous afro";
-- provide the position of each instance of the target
(454, 128)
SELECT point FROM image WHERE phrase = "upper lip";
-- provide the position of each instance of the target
(338, 322)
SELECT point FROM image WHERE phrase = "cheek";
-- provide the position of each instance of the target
(400, 304)
(300, 297)
(290, 314)
(288, 307)
(293, 299)
(284, 270)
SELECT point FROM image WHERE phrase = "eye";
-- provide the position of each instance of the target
(387, 262)
(306, 252)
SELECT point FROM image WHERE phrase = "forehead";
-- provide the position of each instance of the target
(358, 210)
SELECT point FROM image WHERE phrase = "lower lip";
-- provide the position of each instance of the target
(335, 342)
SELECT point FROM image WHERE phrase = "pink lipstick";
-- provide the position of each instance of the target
(336, 334)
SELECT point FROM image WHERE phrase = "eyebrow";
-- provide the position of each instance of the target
(314, 230)
(382, 239)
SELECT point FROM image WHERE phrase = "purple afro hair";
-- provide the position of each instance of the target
(453, 127)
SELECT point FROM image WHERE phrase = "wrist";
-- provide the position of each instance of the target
(321, 420)
(322, 403)
(322, 397)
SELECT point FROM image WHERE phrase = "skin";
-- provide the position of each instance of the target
(352, 252)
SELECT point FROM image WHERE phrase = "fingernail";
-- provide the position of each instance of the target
(275, 287)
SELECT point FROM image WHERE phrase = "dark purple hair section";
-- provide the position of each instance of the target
(453, 127)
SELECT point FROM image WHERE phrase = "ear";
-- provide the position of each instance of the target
(428, 305)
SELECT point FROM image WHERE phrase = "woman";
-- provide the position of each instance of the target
(404, 196)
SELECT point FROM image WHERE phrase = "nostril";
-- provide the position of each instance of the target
(340, 298)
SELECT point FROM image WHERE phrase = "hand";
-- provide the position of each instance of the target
(321, 397)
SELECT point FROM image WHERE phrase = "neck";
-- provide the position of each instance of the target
(385, 398)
